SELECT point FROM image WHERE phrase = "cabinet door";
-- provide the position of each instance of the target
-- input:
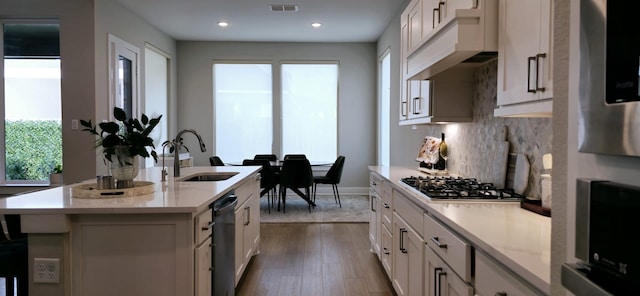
(518, 45)
(386, 249)
(400, 260)
(203, 268)
(407, 259)
(374, 221)
(419, 98)
(545, 54)
(414, 18)
(253, 229)
(429, 16)
(239, 240)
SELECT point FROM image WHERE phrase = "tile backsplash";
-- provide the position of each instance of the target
(471, 144)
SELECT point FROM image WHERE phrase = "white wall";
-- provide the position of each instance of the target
(405, 141)
(112, 18)
(356, 95)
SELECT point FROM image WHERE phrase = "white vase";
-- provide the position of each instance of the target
(123, 166)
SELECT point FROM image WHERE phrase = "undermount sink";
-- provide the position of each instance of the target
(203, 177)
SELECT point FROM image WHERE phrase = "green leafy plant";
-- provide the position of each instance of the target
(131, 133)
(57, 169)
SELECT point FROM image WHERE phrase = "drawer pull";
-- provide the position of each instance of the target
(437, 242)
(209, 226)
(385, 251)
(373, 209)
(503, 293)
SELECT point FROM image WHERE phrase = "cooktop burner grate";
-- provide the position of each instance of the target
(447, 187)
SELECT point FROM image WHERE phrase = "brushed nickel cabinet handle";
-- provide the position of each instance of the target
(402, 232)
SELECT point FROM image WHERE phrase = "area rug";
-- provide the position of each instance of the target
(355, 209)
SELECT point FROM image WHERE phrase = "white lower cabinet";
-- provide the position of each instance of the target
(375, 223)
(407, 259)
(491, 279)
(386, 250)
(203, 268)
(247, 225)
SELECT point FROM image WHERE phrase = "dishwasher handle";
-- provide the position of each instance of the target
(224, 204)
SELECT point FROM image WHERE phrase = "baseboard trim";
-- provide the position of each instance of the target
(327, 190)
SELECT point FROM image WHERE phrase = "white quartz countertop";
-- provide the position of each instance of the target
(171, 196)
(517, 238)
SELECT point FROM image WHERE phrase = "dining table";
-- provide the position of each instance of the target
(278, 163)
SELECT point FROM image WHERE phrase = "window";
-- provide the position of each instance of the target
(30, 93)
(243, 110)
(310, 110)
(245, 102)
(156, 94)
(384, 109)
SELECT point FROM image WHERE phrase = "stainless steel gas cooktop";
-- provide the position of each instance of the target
(457, 188)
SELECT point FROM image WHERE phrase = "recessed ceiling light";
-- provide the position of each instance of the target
(316, 25)
(223, 23)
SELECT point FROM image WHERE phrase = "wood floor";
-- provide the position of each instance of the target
(314, 259)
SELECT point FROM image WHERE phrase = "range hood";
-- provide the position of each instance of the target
(468, 36)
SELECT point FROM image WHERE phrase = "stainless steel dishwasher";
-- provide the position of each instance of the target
(223, 246)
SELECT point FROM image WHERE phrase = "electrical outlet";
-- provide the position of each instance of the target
(46, 270)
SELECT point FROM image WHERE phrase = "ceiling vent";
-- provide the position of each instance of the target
(283, 7)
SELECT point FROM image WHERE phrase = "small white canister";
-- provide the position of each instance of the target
(546, 190)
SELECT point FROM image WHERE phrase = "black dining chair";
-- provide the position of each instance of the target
(268, 179)
(295, 174)
(332, 177)
(295, 156)
(269, 157)
(14, 263)
(216, 161)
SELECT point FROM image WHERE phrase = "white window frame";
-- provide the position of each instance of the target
(117, 48)
(3, 158)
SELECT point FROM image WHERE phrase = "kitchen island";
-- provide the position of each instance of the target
(151, 244)
(491, 247)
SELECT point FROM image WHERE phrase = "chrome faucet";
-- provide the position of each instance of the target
(164, 169)
(176, 148)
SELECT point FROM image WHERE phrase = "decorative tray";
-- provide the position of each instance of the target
(535, 206)
(90, 190)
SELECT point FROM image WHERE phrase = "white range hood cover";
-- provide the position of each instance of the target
(467, 36)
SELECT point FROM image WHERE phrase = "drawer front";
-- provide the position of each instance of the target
(375, 182)
(202, 226)
(386, 205)
(247, 189)
(410, 212)
(454, 251)
(492, 279)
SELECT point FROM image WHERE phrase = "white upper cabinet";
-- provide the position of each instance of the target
(525, 58)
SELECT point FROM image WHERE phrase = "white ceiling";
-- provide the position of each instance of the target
(252, 20)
